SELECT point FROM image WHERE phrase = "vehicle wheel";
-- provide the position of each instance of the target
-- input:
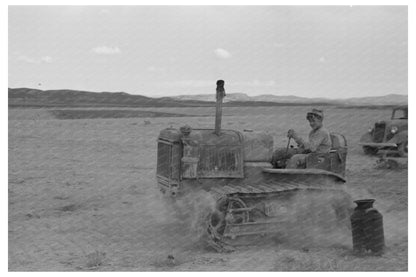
(221, 216)
(368, 150)
(402, 149)
(218, 220)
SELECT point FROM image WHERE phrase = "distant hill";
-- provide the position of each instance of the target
(26, 97)
(240, 97)
(211, 97)
(391, 99)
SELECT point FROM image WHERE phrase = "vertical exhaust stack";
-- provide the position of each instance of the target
(218, 111)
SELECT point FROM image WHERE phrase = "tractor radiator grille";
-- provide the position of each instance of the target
(164, 152)
(378, 134)
(217, 161)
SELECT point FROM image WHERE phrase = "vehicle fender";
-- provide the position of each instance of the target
(399, 137)
(366, 138)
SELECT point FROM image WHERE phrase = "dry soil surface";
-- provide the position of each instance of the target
(83, 196)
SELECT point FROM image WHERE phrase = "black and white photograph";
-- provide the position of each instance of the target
(207, 138)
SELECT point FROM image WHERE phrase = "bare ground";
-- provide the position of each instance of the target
(82, 196)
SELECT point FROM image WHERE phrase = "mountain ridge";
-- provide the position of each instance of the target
(28, 97)
(389, 99)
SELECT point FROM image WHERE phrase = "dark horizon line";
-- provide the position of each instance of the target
(177, 95)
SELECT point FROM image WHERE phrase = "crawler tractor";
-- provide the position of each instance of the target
(234, 168)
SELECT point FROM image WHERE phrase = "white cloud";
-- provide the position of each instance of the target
(322, 60)
(222, 53)
(46, 59)
(106, 50)
(26, 59)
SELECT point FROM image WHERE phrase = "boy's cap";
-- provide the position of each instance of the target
(315, 112)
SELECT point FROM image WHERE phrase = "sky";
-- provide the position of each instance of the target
(307, 51)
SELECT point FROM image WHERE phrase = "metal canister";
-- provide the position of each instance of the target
(367, 228)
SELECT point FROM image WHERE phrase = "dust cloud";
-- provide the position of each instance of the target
(318, 219)
(179, 223)
(314, 219)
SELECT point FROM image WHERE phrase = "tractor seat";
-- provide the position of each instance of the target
(338, 142)
(333, 161)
